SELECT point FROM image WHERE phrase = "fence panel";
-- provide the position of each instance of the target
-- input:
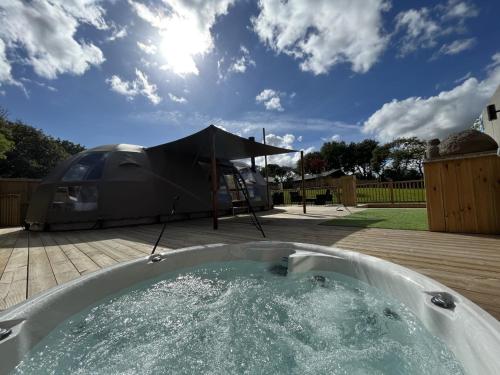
(391, 192)
(10, 210)
(24, 188)
(463, 193)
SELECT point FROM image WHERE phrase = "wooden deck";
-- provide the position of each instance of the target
(32, 262)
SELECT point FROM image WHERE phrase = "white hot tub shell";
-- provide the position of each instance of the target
(469, 332)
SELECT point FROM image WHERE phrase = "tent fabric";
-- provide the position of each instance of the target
(227, 146)
(122, 184)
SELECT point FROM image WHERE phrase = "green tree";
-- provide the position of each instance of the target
(314, 163)
(334, 154)
(28, 152)
(380, 157)
(362, 153)
(279, 173)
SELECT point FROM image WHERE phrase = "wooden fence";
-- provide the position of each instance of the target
(15, 195)
(463, 194)
(391, 192)
(349, 192)
(340, 190)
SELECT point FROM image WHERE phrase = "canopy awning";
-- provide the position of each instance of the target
(227, 146)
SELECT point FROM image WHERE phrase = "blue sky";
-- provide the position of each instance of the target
(146, 72)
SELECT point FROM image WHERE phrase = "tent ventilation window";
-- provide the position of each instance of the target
(89, 167)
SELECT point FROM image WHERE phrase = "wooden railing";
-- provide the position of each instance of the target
(366, 192)
(391, 192)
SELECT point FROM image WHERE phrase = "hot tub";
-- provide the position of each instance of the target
(332, 311)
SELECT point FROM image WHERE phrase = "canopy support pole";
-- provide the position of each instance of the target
(303, 181)
(266, 171)
(214, 183)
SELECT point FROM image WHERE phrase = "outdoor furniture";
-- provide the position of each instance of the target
(295, 197)
(278, 198)
(322, 199)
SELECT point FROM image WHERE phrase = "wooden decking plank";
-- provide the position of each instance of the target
(13, 282)
(99, 258)
(81, 261)
(40, 274)
(64, 270)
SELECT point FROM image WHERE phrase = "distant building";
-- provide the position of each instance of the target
(320, 179)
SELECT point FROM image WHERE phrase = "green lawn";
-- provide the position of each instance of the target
(390, 218)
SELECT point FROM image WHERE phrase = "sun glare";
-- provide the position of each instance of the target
(182, 39)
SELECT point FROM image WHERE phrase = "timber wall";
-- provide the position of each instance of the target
(463, 193)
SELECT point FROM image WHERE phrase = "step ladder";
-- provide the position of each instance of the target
(241, 186)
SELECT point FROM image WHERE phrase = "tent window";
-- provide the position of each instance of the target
(76, 198)
(89, 167)
(248, 175)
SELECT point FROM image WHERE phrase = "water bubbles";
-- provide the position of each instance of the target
(238, 317)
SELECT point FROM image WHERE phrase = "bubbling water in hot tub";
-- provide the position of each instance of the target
(239, 317)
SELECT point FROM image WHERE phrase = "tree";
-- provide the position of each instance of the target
(362, 156)
(380, 158)
(401, 159)
(280, 174)
(28, 152)
(313, 163)
(334, 153)
(408, 153)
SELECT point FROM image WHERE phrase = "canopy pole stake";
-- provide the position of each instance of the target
(214, 183)
(303, 181)
(266, 171)
(172, 213)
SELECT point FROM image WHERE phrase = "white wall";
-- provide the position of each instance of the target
(492, 128)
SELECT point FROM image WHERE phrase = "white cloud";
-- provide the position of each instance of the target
(457, 9)
(326, 33)
(457, 46)
(177, 99)
(43, 32)
(463, 78)
(85, 11)
(149, 49)
(117, 33)
(271, 100)
(333, 138)
(139, 86)
(286, 141)
(422, 28)
(241, 64)
(435, 116)
(5, 69)
(184, 28)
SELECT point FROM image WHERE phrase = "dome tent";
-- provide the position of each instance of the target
(124, 184)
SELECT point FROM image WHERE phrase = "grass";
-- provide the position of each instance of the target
(388, 218)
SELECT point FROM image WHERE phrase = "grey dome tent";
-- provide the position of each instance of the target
(122, 184)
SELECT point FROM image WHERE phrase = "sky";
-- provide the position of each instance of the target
(309, 71)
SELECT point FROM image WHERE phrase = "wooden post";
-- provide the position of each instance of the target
(266, 172)
(303, 181)
(391, 191)
(214, 184)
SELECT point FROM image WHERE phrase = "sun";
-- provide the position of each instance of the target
(182, 39)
